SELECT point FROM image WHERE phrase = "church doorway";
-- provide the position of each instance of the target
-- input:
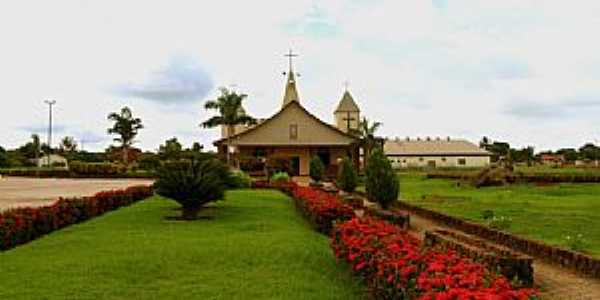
(295, 166)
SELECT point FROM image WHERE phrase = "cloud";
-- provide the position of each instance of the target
(43, 129)
(316, 23)
(182, 80)
(570, 107)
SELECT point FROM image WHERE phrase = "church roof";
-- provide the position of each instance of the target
(291, 93)
(274, 131)
(347, 104)
(432, 147)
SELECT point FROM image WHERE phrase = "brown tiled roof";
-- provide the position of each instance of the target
(442, 147)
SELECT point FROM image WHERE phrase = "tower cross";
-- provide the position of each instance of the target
(290, 55)
(346, 84)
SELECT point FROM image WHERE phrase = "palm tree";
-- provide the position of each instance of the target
(231, 113)
(36, 147)
(366, 134)
(68, 145)
(126, 127)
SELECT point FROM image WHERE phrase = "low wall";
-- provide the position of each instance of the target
(581, 263)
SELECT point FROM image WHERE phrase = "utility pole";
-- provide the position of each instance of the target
(50, 104)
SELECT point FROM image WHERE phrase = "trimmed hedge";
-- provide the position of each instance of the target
(321, 208)
(62, 173)
(523, 177)
(21, 225)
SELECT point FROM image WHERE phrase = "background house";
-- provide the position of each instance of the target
(434, 153)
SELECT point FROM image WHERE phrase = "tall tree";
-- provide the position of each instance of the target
(366, 133)
(231, 113)
(4, 162)
(68, 145)
(171, 150)
(126, 127)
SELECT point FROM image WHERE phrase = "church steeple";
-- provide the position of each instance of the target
(291, 93)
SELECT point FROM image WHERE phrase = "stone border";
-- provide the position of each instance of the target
(509, 263)
(578, 262)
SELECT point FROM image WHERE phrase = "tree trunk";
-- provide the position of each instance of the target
(125, 155)
(229, 134)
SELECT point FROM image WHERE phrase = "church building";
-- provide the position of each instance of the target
(294, 135)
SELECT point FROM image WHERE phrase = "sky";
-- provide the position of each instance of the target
(525, 72)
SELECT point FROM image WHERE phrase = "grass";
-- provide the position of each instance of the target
(255, 247)
(547, 213)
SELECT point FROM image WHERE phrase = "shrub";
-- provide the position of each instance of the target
(82, 169)
(240, 180)
(21, 225)
(193, 183)
(395, 266)
(347, 178)
(381, 183)
(323, 209)
(317, 169)
(500, 223)
(576, 242)
(280, 177)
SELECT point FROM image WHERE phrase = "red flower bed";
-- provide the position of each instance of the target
(21, 225)
(395, 266)
(322, 208)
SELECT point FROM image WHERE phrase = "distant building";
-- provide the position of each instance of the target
(435, 153)
(52, 160)
(552, 159)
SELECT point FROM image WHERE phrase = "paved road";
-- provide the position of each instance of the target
(18, 191)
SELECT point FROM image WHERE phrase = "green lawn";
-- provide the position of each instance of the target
(255, 247)
(548, 213)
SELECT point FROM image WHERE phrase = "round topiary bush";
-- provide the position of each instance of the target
(381, 182)
(193, 183)
(347, 179)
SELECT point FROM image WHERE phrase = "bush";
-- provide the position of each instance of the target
(21, 225)
(81, 169)
(381, 183)
(193, 183)
(323, 209)
(240, 180)
(280, 177)
(317, 169)
(347, 179)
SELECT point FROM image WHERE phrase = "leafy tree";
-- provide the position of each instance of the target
(193, 183)
(68, 145)
(126, 127)
(231, 113)
(171, 150)
(347, 178)
(381, 182)
(196, 147)
(31, 149)
(366, 134)
(317, 169)
(4, 162)
(570, 154)
(590, 151)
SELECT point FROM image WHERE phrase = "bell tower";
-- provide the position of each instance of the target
(347, 113)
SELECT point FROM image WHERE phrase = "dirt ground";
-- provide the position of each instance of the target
(17, 191)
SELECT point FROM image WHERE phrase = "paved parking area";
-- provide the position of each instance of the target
(18, 191)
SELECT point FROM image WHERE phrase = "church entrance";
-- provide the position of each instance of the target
(295, 166)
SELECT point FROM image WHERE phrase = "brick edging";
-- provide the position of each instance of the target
(581, 263)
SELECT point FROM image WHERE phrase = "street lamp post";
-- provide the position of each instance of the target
(50, 104)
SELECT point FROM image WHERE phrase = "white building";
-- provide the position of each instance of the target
(51, 160)
(435, 153)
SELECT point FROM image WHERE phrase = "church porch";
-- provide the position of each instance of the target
(294, 159)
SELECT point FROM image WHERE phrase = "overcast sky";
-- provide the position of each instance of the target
(527, 72)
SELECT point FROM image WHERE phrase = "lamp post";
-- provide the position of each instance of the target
(50, 104)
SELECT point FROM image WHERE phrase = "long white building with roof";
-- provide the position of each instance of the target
(435, 153)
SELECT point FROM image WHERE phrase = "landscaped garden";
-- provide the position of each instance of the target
(252, 245)
(563, 214)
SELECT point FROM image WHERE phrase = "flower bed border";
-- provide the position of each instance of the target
(22, 225)
(579, 262)
(510, 264)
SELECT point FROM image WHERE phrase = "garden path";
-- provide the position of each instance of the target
(554, 282)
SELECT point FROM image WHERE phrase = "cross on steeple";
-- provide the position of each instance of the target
(290, 55)
(346, 84)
